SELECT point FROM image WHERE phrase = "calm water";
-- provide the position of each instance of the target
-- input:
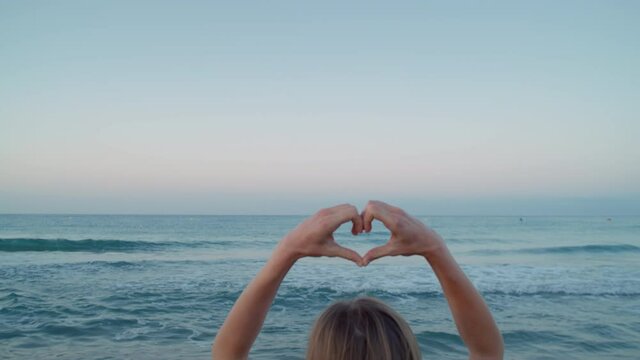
(147, 287)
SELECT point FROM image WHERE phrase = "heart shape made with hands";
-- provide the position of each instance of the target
(407, 233)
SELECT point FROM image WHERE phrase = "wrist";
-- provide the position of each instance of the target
(436, 251)
(279, 265)
(286, 254)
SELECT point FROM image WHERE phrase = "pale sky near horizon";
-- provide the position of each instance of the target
(245, 107)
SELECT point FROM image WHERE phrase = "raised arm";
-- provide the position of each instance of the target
(409, 236)
(313, 237)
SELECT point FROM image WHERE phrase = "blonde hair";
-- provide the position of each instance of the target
(362, 328)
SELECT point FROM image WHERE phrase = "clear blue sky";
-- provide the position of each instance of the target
(492, 107)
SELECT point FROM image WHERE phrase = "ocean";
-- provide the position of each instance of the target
(159, 287)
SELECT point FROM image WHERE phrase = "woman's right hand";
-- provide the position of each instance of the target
(409, 236)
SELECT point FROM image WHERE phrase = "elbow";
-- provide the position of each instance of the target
(495, 352)
(488, 356)
(221, 351)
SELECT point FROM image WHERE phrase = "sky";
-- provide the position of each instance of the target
(283, 107)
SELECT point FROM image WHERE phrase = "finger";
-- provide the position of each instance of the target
(379, 211)
(367, 218)
(358, 224)
(346, 213)
(345, 253)
(376, 253)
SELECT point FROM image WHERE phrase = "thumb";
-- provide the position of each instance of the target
(345, 253)
(376, 253)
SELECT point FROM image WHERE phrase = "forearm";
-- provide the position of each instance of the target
(245, 319)
(472, 316)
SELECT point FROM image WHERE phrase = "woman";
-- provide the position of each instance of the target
(363, 328)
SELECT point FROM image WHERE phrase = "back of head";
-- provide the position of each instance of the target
(363, 328)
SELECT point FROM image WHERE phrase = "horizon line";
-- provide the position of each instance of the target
(291, 215)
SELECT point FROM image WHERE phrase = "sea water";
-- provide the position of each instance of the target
(159, 287)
